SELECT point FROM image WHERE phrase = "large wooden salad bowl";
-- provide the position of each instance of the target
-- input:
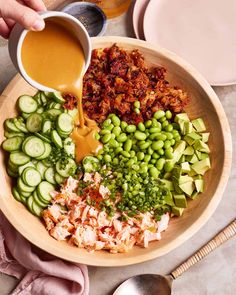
(204, 103)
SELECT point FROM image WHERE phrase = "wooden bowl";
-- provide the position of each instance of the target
(204, 103)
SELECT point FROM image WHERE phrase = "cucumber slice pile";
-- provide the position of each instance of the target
(42, 126)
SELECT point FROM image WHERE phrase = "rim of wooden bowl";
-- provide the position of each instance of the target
(126, 259)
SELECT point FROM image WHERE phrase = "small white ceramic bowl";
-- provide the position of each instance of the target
(19, 33)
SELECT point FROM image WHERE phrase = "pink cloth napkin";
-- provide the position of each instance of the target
(40, 272)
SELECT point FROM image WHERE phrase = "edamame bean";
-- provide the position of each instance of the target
(106, 123)
(128, 145)
(143, 168)
(168, 166)
(155, 155)
(106, 138)
(168, 115)
(148, 123)
(107, 158)
(169, 128)
(160, 164)
(169, 135)
(147, 158)
(144, 146)
(159, 114)
(140, 156)
(113, 136)
(154, 130)
(113, 143)
(137, 111)
(157, 145)
(115, 161)
(130, 128)
(153, 161)
(161, 152)
(115, 120)
(104, 131)
(132, 153)
(123, 125)
(130, 163)
(122, 137)
(150, 151)
(165, 124)
(154, 172)
(167, 144)
(137, 104)
(118, 150)
(141, 126)
(140, 135)
(169, 154)
(116, 130)
(125, 154)
(172, 142)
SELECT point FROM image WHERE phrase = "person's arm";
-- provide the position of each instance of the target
(23, 12)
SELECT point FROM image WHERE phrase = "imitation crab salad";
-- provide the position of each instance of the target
(151, 160)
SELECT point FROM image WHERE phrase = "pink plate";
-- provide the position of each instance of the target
(138, 14)
(203, 32)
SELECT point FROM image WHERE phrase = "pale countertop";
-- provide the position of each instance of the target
(216, 274)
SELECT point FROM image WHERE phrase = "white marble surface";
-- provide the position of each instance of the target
(216, 274)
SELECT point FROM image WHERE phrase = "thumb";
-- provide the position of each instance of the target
(24, 15)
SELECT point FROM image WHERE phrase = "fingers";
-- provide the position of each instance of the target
(26, 16)
(4, 29)
(37, 5)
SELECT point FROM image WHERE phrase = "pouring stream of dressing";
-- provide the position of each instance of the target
(55, 58)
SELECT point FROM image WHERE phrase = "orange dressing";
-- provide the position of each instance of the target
(55, 58)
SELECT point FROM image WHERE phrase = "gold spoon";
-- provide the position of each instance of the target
(151, 284)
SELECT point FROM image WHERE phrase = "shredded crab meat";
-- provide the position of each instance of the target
(86, 226)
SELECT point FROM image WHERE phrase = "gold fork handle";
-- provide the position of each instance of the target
(227, 233)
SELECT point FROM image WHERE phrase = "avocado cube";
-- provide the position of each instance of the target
(202, 166)
(167, 175)
(192, 137)
(169, 200)
(193, 159)
(198, 154)
(185, 127)
(178, 150)
(180, 201)
(201, 146)
(194, 195)
(168, 184)
(185, 167)
(204, 156)
(181, 117)
(199, 125)
(199, 184)
(189, 151)
(185, 178)
(177, 211)
(187, 187)
(182, 159)
(205, 137)
(192, 173)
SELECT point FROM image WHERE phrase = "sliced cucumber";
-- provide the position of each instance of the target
(59, 179)
(43, 137)
(31, 176)
(47, 126)
(34, 122)
(23, 187)
(16, 194)
(46, 153)
(12, 166)
(41, 168)
(12, 144)
(65, 123)
(19, 158)
(44, 189)
(56, 96)
(13, 134)
(53, 113)
(34, 147)
(20, 125)
(50, 175)
(10, 126)
(39, 201)
(22, 167)
(56, 139)
(27, 104)
(12, 173)
(69, 146)
(63, 134)
(40, 110)
(29, 203)
(25, 194)
(37, 210)
(25, 115)
(43, 98)
(23, 199)
(68, 170)
(37, 97)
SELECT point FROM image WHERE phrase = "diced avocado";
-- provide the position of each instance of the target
(189, 151)
(204, 156)
(177, 211)
(199, 184)
(202, 166)
(167, 175)
(185, 127)
(192, 173)
(198, 154)
(180, 201)
(205, 137)
(193, 159)
(201, 146)
(199, 125)
(169, 200)
(194, 195)
(192, 137)
(168, 184)
(187, 187)
(182, 159)
(176, 173)
(178, 150)
(185, 178)
(185, 167)
(182, 117)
